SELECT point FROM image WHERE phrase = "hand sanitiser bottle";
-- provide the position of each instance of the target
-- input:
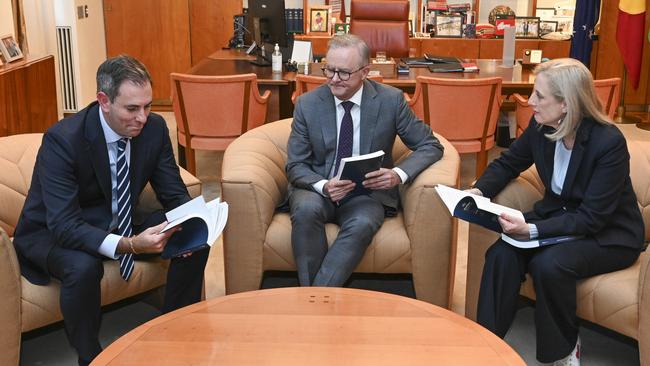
(276, 59)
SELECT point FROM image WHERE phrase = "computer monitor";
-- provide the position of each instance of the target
(266, 20)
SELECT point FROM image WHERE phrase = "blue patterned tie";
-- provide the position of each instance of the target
(124, 206)
(346, 135)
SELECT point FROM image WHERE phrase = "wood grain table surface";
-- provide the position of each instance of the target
(310, 326)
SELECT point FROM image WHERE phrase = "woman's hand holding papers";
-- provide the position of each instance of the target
(515, 227)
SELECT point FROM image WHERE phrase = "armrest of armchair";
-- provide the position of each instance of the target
(253, 183)
(430, 228)
(10, 313)
(521, 194)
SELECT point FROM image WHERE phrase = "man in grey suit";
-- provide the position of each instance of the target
(347, 116)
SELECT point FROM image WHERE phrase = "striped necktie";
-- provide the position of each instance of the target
(124, 206)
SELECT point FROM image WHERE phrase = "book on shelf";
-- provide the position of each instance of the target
(201, 224)
(481, 211)
(437, 5)
(464, 7)
(355, 168)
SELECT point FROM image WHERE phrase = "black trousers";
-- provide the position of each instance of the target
(80, 274)
(555, 270)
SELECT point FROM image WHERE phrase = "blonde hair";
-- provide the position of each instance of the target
(570, 82)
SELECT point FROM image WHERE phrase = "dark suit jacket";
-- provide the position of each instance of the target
(597, 198)
(69, 200)
(384, 115)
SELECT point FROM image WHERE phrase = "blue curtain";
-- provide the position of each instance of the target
(584, 21)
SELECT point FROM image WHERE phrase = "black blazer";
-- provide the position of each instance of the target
(69, 200)
(597, 198)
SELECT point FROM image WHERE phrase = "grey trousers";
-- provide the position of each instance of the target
(358, 217)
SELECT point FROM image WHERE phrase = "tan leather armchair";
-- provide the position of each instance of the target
(420, 240)
(619, 300)
(24, 306)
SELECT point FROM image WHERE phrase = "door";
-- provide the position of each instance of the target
(156, 32)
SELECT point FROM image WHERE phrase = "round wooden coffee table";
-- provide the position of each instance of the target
(310, 326)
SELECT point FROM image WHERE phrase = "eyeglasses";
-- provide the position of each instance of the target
(343, 75)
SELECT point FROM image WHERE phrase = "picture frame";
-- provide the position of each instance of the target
(564, 24)
(319, 20)
(545, 14)
(10, 49)
(449, 26)
(527, 27)
(341, 28)
(547, 26)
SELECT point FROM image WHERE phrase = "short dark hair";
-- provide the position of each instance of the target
(116, 70)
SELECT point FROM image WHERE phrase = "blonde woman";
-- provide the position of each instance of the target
(583, 162)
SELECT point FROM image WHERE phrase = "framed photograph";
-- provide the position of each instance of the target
(9, 48)
(319, 19)
(546, 27)
(526, 27)
(449, 25)
(545, 13)
(341, 28)
(564, 24)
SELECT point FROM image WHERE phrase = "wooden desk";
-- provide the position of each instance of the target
(310, 326)
(515, 79)
(230, 62)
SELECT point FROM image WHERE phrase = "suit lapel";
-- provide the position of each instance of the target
(549, 156)
(369, 113)
(97, 150)
(578, 152)
(326, 112)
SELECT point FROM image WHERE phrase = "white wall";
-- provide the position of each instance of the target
(6, 18)
(88, 42)
(91, 49)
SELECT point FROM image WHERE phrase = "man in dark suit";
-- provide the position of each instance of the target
(348, 116)
(89, 173)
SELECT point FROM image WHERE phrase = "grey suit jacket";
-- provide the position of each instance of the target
(384, 115)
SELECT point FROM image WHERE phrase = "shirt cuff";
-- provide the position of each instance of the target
(532, 230)
(318, 187)
(402, 174)
(108, 247)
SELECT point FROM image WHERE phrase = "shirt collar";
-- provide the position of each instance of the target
(356, 98)
(110, 135)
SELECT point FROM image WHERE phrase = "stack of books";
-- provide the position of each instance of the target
(294, 20)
